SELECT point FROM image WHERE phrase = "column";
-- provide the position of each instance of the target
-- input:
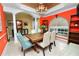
(14, 28)
(36, 25)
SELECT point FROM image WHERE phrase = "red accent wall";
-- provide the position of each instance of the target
(49, 18)
(3, 41)
(65, 14)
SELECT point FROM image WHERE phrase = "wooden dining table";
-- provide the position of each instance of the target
(36, 37)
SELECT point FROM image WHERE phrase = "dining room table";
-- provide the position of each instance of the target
(35, 37)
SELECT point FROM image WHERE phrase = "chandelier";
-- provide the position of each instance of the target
(41, 8)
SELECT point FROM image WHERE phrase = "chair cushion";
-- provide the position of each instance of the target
(41, 45)
(24, 42)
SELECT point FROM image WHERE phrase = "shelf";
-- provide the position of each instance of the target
(74, 20)
(73, 32)
(74, 27)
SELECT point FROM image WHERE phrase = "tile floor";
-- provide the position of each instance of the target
(61, 49)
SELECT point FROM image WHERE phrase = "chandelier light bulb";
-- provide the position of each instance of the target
(41, 8)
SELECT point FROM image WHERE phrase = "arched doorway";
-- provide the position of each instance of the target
(61, 26)
(26, 22)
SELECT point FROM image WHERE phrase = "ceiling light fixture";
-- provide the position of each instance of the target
(41, 8)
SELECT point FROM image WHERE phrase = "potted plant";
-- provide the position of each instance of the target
(43, 28)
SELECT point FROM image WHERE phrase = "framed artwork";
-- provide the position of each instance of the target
(0, 24)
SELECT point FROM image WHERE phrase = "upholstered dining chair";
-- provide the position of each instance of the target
(45, 43)
(25, 43)
(52, 39)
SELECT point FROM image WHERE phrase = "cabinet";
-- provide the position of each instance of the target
(74, 29)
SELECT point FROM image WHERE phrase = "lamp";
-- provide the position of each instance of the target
(41, 8)
(76, 24)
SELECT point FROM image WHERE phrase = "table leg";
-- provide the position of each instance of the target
(35, 49)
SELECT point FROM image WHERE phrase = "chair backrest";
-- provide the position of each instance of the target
(53, 36)
(46, 38)
(19, 36)
(23, 41)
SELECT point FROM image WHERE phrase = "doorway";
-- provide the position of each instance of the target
(24, 23)
(9, 23)
(61, 26)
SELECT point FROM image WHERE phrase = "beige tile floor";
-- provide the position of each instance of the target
(61, 49)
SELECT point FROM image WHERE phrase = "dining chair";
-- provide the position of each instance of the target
(52, 39)
(45, 43)
(25, 43)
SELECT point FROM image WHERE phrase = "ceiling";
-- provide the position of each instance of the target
(54, 8)
(35, 5)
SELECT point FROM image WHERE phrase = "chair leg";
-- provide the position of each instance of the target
(43, 52)
(50, 47)
(24, 52)
(34, 48)
(21, 48)
(54, 43)
(68, 42)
